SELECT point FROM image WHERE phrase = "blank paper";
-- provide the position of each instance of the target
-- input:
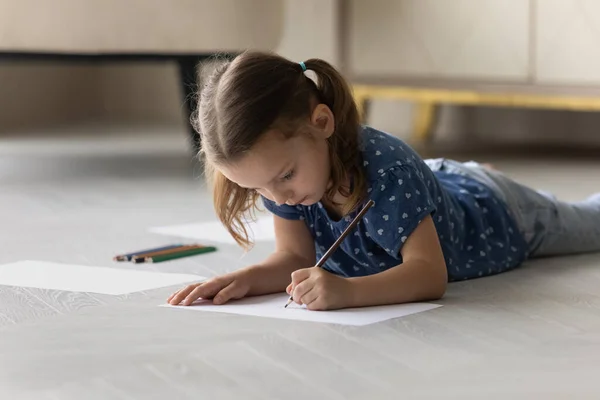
(271, 306)
(79, 278)
(261, 230)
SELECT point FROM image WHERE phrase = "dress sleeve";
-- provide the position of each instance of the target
(402, 201)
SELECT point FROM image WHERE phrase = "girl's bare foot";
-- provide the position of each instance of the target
(488, 166)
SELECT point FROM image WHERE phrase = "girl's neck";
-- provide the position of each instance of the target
(334, 206)
(334, 210)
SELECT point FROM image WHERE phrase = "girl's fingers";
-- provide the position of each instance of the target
(301, 290)
(309, 297)
(211, 287)
(171, 296)
(180, 295)
(193, 296)
(232, 291)
(207, 290)
(301, 275)
(316, 305)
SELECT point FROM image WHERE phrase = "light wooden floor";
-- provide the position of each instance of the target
(533, 333)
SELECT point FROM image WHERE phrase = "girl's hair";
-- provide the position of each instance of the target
(256, 92)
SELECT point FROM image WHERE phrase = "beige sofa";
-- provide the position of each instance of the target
(182, 31)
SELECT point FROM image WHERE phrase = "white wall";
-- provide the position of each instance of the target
(34, 96)
(37, 95)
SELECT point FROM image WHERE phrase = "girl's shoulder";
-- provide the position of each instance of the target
(382, 152)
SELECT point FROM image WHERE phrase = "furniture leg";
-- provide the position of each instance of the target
(189, 83)
(423, 121)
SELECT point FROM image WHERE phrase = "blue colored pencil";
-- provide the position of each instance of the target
(128, 257)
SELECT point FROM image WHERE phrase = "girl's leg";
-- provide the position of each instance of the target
(565, 228)
(550, 226)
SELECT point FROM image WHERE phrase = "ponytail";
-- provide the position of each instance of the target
(346, 160)
(335, 93)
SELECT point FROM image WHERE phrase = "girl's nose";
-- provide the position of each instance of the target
(280, 198)
(292, 201)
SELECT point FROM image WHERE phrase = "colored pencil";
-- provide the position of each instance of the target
(339, 240)
(176, 255)
(127, 257)
(141, 257)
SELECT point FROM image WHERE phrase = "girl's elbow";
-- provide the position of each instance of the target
(438, 283)
(439, 291)
(434, 292)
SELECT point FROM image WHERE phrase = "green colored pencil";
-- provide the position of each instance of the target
(181, 254)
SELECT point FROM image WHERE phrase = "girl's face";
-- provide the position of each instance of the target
(292, 170)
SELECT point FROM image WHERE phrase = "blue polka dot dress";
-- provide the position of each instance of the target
(477, 234)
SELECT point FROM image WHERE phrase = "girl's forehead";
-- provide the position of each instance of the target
(263, 163)
(270, 142)
(275, 147)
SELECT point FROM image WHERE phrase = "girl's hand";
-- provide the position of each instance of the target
(319, 289)
(221, 289)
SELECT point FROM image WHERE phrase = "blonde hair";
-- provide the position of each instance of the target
(256, 92)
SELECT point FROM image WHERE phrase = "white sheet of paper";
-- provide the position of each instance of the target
(261, 231)
(79, 278)
(271, 306)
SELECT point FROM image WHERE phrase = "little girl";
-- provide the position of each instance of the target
(268, 131)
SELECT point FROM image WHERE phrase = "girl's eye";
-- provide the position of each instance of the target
(288, 176)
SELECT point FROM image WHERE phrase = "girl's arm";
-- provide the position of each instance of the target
(421, 277)
(295, 249)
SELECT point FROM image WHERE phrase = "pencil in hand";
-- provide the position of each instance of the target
(339, 241)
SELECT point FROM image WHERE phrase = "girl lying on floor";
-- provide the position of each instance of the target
(269, 132)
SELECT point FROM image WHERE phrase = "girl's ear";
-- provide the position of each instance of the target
(323, 120)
